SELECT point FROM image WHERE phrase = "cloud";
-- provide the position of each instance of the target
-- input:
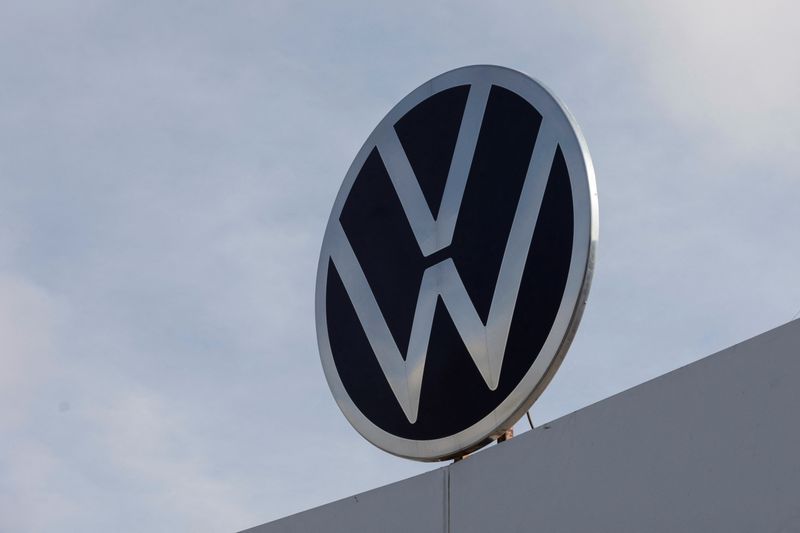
(28, 316)
(60, 419)
(722, 69)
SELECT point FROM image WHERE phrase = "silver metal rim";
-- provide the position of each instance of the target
(585, 211)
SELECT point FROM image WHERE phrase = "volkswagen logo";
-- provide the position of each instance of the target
(456, 263)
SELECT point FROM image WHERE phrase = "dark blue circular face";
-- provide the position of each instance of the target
(456, 263)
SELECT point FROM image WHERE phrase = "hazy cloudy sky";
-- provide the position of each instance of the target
(167, 170)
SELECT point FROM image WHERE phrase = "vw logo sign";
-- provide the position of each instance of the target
(456, 263)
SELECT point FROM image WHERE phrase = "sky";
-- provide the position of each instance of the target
(166, 174)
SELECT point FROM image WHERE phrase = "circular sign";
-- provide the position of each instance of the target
(456, 263)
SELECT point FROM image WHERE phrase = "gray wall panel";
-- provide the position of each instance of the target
(714, 446)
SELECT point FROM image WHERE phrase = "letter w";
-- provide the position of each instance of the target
(486, 343)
